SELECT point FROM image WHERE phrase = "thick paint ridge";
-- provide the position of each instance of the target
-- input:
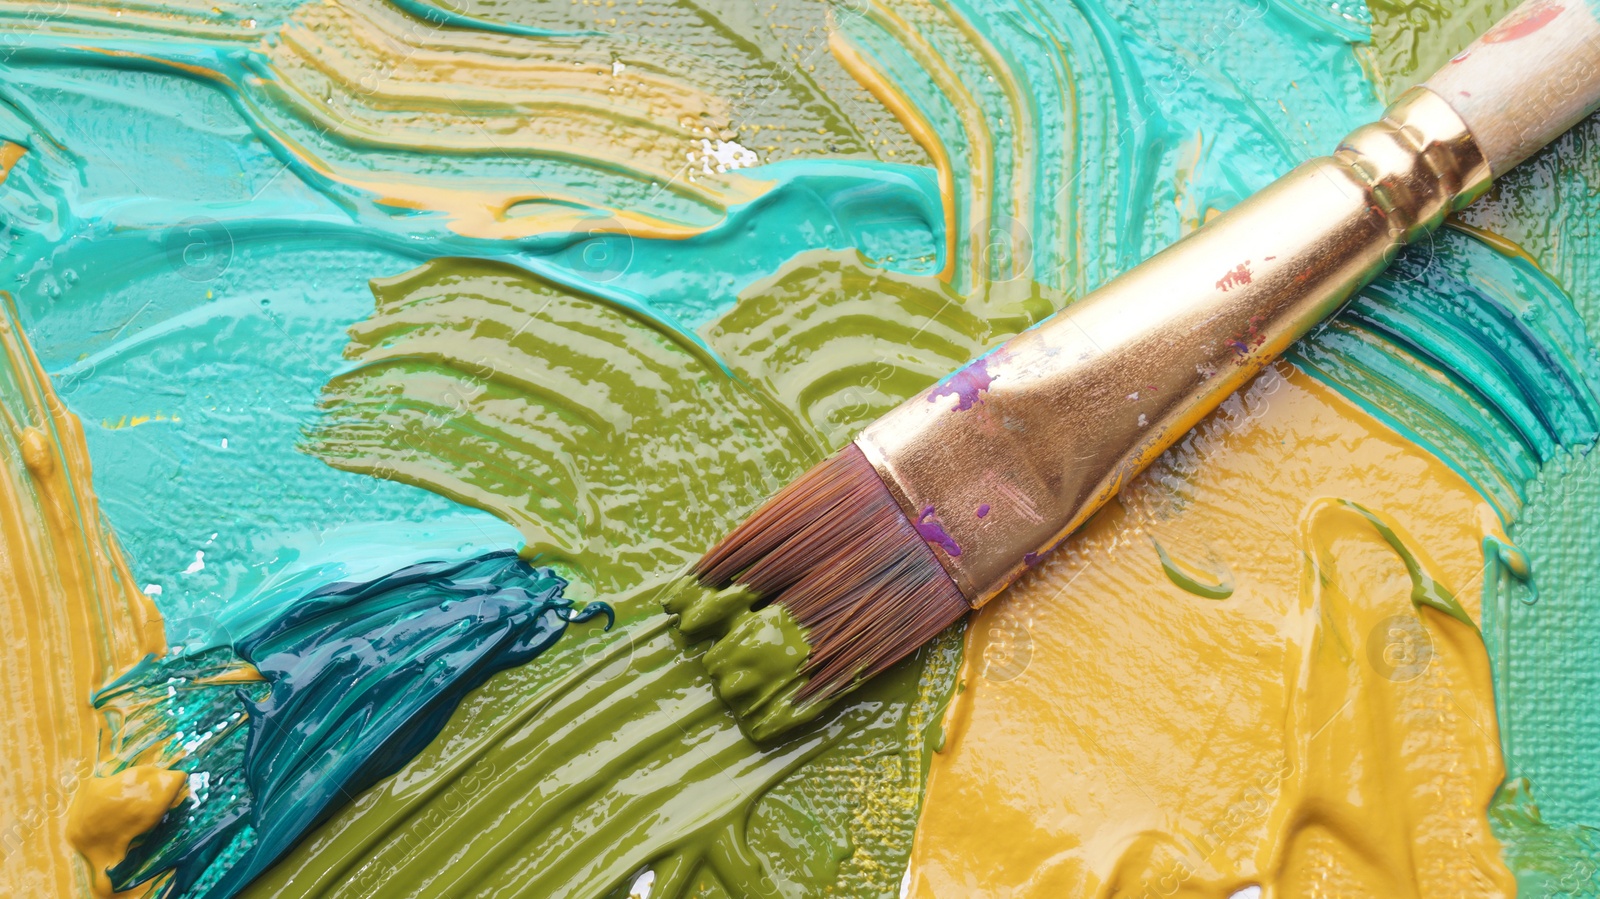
(1472, 351)
(576, 420)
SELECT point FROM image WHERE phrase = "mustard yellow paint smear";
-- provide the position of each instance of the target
(1328, 729)
(133, 421)
(10, 153)
(72, 618)
(108, 812)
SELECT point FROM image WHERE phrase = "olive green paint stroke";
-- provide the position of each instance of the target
(1181, 578)
(842, 343)
(625, 759)
(486, 383)
(1413, 38)
(583, 424)
(1425, 591)
(757, 657)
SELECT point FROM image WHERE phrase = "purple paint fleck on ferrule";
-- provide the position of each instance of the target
(1030, 559)
(966, 385)
(931, 530)
(983, 510)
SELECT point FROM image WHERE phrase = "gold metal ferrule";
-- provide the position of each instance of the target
(1000, 461)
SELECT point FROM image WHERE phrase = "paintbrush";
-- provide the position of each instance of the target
(938, 506)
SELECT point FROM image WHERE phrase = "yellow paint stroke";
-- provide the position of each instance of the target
(188, 68)
(632, 109)
(1327, 730)
(1503, 245)
(108, 812)
(984, 137)
(72, 619)
(1183, 200)
(140, 773)
(368, 73)
(133, 421)
(9, 154)
(1018, 122)
(980, 154)
(373, 77)
(969, 113)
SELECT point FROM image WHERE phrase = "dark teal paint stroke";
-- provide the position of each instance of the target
(360, 677)
(449, 18)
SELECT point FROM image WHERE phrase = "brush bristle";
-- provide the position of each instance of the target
(836, 551)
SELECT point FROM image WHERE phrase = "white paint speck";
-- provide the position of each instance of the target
(616, 67)
(199, 563)
(198, 781)
(1249, 892)
(642, 885)
(224, 443)
(725, 155)
(1142, 420)
(152, 589)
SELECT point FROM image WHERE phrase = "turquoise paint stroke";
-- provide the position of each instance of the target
(1478, 355)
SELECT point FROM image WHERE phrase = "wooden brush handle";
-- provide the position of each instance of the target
(1526, 80)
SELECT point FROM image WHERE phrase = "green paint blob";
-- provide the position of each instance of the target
(756, 659)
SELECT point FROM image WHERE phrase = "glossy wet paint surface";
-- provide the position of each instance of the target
(337, 290)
